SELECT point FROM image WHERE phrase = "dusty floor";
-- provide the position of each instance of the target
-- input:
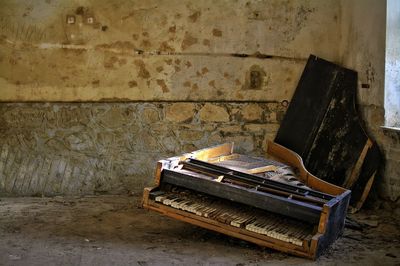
(111, 230)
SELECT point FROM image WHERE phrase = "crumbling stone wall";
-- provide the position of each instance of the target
(86, 148)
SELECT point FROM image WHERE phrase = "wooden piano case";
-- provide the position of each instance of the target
(327, 221)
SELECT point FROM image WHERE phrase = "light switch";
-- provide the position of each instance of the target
(89, 20)
(70, 19)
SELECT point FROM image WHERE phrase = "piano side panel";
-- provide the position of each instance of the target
(332, 223)
(146, 195)
(371, 163)
(157, 176)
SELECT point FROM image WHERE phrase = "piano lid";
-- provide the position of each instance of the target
(322, 125)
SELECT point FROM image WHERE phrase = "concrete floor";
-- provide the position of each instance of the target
(112, 230)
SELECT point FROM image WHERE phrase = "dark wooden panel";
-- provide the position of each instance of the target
(323, 126)
(340, 138)
(307, 107)
(334, 223)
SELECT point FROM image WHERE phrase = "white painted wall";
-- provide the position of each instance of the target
(392, 74)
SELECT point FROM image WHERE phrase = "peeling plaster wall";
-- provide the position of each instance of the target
(154, 78)
(363, 49)
(159, 50)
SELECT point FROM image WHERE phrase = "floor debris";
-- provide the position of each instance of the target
(41, 231)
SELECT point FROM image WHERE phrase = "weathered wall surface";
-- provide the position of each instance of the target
(112, 148)
(160, 50)
(196, 73)
(363, 49)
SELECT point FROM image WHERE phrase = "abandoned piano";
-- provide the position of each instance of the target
(277, 202)
(273, 202)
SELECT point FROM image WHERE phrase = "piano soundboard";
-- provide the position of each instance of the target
(272, 202)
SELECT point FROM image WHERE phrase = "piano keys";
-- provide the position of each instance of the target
(240, 216)
(274, 203)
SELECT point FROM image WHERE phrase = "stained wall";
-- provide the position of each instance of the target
(160, 50)
(116, 85)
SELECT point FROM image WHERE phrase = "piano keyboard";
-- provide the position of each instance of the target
(254, 220)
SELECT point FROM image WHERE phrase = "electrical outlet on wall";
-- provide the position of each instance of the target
(89, 20)
(70, 19)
